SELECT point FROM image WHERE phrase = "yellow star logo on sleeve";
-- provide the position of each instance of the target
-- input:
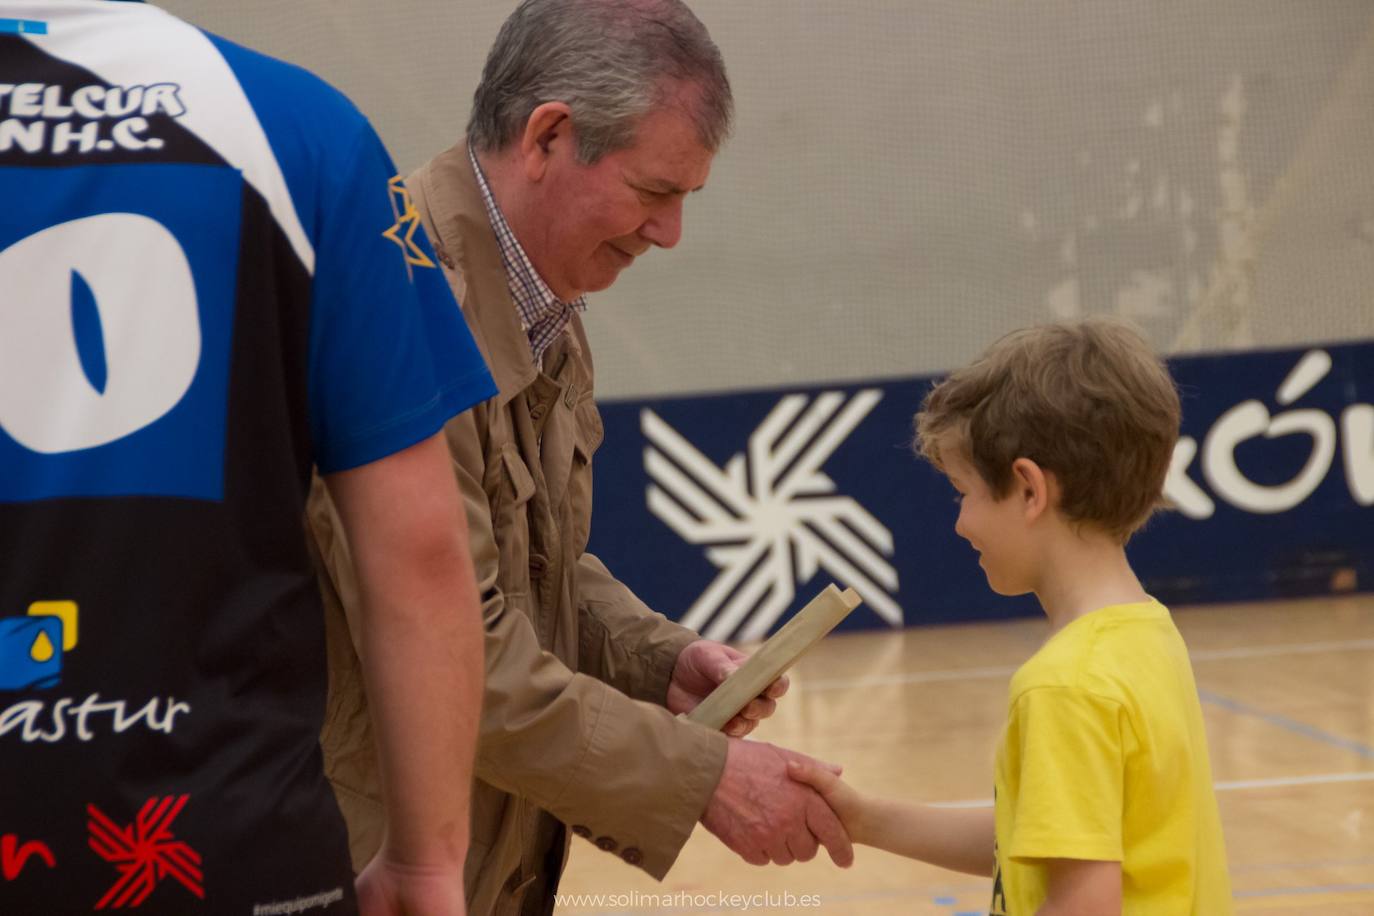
(402, 232)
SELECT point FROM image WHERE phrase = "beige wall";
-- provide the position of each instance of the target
(910, 179)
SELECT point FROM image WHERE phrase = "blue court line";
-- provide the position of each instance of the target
(1285, 891)
(23, 27)
(1287, 724)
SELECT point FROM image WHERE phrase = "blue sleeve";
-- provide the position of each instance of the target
(391, 356)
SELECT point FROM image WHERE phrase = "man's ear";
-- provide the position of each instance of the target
(548, 133)
(1033, 486)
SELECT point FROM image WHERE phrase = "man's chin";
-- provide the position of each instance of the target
(603, 279)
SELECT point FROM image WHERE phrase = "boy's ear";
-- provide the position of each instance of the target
(1032, 485)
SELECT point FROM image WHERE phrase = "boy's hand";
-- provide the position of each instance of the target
(847, 804)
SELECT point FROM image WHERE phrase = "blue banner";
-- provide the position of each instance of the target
(728, 512)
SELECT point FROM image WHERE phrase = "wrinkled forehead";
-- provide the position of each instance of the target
(668, 149)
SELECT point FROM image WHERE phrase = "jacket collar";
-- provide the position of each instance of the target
(459, 228)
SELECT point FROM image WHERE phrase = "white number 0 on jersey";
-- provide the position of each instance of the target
(146, 300)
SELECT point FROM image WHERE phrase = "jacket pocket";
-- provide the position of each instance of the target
(590, 431)
(586, 439)
(517, 474)
(511, 522)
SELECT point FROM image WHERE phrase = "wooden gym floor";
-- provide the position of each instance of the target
(1287, 690)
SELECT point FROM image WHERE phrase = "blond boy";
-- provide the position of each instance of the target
(1057, 440)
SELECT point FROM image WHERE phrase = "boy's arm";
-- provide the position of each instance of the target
(421, 637)
(960, 839)
(1078, 887)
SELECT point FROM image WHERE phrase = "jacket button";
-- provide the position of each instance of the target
(582, 831)
(606, 844)
(632, 855)
(570, 396)
(444, 257)
(539, 566)
(537, 412)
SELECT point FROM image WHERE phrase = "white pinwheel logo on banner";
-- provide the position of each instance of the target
(772, 519)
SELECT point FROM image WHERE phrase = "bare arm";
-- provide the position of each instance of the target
(421, 637)
(960, 839)
(1082, 888)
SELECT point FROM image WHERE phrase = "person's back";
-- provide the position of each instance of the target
(1125, 670)
(206, 287)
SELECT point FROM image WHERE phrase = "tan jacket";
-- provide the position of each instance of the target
(573, 728)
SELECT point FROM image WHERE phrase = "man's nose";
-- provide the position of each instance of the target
(664, 227)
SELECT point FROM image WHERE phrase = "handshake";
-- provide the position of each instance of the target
(764, 807)
(766, 815)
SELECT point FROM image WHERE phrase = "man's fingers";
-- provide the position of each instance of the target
(777, 688)
(738, 727)
(755, 857)
(781, 854)
(827, 828)
(759, 708)
(803, 845)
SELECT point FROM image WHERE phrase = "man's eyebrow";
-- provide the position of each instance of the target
(661, 186)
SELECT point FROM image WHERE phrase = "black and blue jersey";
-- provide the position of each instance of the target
(211, 280)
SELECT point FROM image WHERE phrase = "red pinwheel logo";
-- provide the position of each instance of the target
(144, 852)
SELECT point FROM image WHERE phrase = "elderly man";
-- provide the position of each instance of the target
(593, 121)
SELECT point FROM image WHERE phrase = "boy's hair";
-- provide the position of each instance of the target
(1086, 400)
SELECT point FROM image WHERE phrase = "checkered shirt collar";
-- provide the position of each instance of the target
(543, 316)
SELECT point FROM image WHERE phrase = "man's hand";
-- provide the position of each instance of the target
(700, 667)
(389, 889)
(766, 817)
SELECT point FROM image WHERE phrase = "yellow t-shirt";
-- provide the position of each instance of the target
(1104, 758)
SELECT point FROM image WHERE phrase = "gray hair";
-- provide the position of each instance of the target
(611, 62)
